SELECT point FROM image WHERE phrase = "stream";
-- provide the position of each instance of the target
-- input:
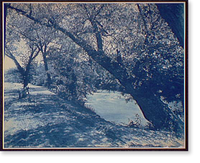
(112, 106)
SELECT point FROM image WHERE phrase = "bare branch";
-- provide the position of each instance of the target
(36, 54)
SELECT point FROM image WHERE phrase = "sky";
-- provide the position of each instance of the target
(22, 49)
(8, 63)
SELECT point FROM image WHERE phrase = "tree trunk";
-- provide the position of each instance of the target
(26, 76)
(47, 69)
(26, 81)
(174, 16)
(157, 112)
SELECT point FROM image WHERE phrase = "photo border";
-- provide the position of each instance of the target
(97, 148)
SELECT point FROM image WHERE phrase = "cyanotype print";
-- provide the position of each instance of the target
(94, 76)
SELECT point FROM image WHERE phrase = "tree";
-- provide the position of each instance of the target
(28, 59)
(19, 49)
(89, 22)
(42, 38)
(71, 72)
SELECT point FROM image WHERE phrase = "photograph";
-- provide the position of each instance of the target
(94, 76)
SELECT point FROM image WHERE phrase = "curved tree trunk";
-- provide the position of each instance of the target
(157, 112)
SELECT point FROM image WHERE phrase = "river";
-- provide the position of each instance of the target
(112, 106)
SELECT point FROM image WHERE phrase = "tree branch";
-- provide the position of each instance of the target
(35, 55)
(98, 35)
(11, 56)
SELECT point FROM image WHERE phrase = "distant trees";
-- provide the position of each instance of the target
(12, 75)
(131, 42)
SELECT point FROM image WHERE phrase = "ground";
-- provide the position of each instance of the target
(43, 120)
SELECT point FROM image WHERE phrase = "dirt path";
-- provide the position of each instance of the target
(44, 120)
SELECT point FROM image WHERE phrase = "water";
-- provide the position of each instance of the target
(113, 107)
